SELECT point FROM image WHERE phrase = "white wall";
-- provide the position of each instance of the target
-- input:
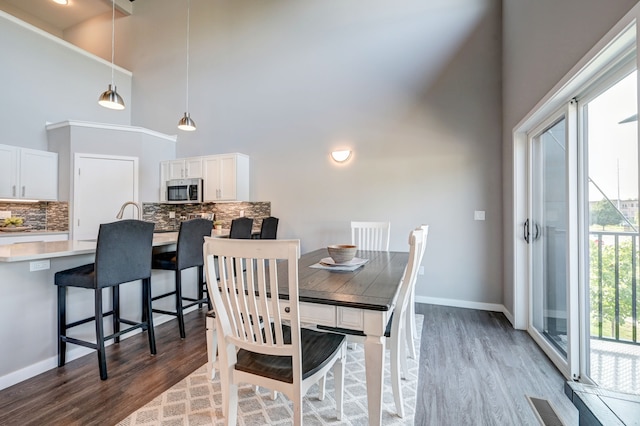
(44, 80)
(542, 41)
(412, 87)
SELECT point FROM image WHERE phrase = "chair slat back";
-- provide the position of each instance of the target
(408, 279)
(247, 303)
(425, 234)
(371, 235)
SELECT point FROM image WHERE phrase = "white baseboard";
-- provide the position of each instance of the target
(482, 306)
(75, 353)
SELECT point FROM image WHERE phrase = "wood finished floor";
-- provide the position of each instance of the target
(474, 370)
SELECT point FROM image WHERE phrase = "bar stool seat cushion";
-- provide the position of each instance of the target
(81, 276)
(166, 261)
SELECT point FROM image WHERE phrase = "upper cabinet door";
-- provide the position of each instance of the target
(28, 174)
(38, 175)
(193, 167)
(176, 169)
(226, 177)
(8, 171)
(185, 168)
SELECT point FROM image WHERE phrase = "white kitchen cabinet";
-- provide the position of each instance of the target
(184, 168)
(226, 177)
(28, 174)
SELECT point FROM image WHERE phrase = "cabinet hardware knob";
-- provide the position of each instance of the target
(287, 309)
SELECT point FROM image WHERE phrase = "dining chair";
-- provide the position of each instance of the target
(269, 228)
(188, 254)
(411, 322)
(371, 235)
(396, 330)
(259, 336)
(123, 254)
(241, 228)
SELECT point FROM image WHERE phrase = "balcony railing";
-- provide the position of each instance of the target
(614, 288)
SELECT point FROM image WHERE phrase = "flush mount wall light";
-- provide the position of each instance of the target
(63, 2)
(186, 123)
(110, 98)
(341, 156)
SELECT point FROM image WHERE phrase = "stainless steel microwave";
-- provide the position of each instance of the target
(184, 191)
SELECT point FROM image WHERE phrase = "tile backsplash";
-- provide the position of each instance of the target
(54, 216)
(40, 216)
(224, 212)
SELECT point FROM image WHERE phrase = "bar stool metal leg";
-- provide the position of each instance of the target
(102, 358)
(62, 324)
(179, 312)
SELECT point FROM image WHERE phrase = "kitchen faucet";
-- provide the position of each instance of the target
(133, 203)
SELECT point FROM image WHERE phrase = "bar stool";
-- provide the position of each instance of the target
(269, 228)
(188, 254)
(241, 228)
(123, 254)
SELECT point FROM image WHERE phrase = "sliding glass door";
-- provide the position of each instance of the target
(549, 233)
(548, 236)
(612, 343)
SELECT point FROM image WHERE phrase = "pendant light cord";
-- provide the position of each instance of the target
(188, 33)
(113, 36)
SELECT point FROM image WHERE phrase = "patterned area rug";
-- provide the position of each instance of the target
(198, 401)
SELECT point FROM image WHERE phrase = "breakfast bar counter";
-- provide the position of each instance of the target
(28, 301)
(21, 252)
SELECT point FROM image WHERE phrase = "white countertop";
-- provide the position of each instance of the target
(27, 233)
(20, 252)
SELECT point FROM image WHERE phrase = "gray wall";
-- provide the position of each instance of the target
(542, 41)
(412, 87)
(46, 81)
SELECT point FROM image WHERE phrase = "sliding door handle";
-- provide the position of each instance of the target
(526, 230)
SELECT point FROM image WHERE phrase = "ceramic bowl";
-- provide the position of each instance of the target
(342, 253)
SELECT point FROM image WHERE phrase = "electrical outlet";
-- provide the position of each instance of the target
(478, 215)
(4, 214)
(172, 215)
(421, 270)
(241, 213)
(39, 265)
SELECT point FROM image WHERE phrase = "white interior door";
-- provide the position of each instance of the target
(101, 185)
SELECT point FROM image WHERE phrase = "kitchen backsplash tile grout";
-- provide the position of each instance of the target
(54, 215)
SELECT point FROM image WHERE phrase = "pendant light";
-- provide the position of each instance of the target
(186, 123)
(110, 98)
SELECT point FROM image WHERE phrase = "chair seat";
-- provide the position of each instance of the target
(387, 331)
(80, 276)
(317, 350)
(165, 260)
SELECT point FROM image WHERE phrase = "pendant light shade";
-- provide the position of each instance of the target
(186, 123)
(110, 98)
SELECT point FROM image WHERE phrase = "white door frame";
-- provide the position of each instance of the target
(620, 39)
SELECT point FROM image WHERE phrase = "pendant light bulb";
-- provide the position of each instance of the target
(186, 123)
(110, 98)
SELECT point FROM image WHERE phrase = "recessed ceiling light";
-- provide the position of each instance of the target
(65, 2)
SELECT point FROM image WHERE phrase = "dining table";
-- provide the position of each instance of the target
(361, 300)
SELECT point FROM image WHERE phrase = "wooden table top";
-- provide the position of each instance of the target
(373, 286)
